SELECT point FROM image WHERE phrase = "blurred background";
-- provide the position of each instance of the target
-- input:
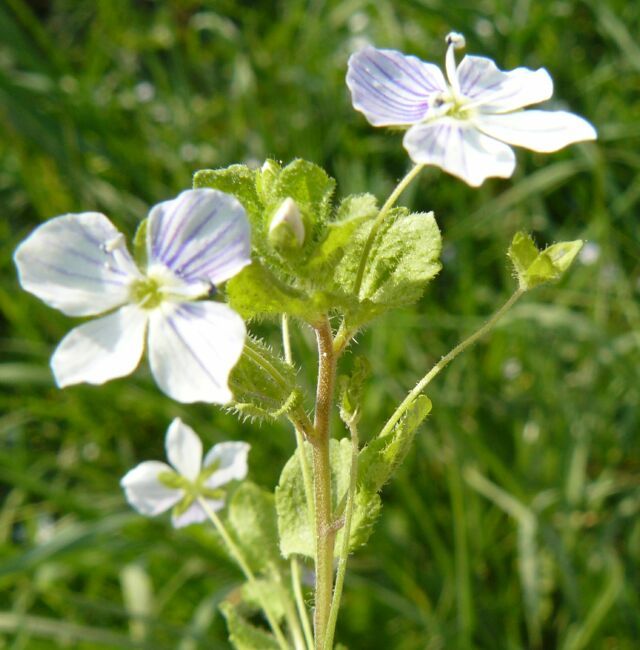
(514, 523)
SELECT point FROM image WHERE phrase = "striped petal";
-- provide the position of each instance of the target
(102, 349)
(192, 349)
(202, 235)
(537, 130)
(231, 460)
(184, 449)
(495, 91)
(458, 148)
(391, 88)
(145, 492)
(77, 263)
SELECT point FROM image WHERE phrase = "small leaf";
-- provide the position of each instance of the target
(266, 591)
(351, 387)
(534, 267)
(297, 533)
(242, 634)
(252, 517)
(263, 384)
(257, 292)
(383, 455)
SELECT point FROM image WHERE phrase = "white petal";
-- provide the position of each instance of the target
(184, 449)
(232, 462)
(537, 130)
(102, 349)
(495, 91)
(77, 263)
(192, 349)
(195, 514)
(145, 492)
(391, 88)
(200, 235)
(459, 149)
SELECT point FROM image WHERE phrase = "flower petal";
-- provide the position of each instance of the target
(145, 492)
(200, 235)
(77, 263)
(184, 449)
(102, 349)
(460, 149)
(537, 130)
(194, 514)
(192, 349)
(495, 91)
(232, 462)
(391, 88)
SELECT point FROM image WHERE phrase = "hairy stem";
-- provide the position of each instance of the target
(343, 556)
(325, 534)
(446, 360)
(300, 604)
(236, 553)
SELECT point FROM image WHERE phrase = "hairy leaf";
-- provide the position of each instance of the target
(242, 634)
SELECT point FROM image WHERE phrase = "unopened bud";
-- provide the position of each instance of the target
(456, 39)
(287, 228)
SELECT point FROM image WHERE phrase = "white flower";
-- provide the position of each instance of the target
(463, 126)
(153, 487)
(79, 264)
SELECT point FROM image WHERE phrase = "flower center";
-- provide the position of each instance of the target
(147, 293)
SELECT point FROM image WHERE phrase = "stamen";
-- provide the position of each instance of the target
(455, 41)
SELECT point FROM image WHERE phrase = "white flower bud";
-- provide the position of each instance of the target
(287, 223)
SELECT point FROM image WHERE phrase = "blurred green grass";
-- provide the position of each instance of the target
(514, 522)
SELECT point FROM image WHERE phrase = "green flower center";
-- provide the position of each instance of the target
(147, 293)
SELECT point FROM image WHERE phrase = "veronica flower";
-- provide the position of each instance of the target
(463, 123)
(154, 487)
(79, 264)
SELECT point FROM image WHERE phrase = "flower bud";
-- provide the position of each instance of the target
(286, 229)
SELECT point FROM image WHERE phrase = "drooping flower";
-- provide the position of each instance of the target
(465, 123)
(79, 264)
(153, 487)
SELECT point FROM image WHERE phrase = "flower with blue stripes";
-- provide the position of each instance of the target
(79, 264)
(466, 122)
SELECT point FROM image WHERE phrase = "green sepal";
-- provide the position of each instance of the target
(263, 383)
(252, 519)
(140, 244)
(183, 505)
(173, 480)
(534, 267)
(350, 389)
(383, 455)
(242, 634)
(297, 534)
(256, 292)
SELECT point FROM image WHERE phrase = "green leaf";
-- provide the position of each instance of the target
(270, 591)
(297, 533)
(256, 292)
(252, 517)
(350, 389)
(263, 384)
(242, 634)
(534, 267)
(382, 456)
(402, 260)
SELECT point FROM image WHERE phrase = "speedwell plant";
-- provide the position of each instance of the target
(274, 243)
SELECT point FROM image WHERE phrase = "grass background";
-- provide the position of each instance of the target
(514, 522)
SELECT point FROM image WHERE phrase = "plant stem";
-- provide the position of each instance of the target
(444, 362)
(325, 534)
(300, 604)
(343, 557)
(388, 204)
(246, 569)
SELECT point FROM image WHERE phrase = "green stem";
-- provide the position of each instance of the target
(388, 204)
(300, 604)
(325, 534)
(446, 360)
(246, 569)
(343, 557)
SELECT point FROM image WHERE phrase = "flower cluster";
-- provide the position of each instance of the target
(466, 122)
